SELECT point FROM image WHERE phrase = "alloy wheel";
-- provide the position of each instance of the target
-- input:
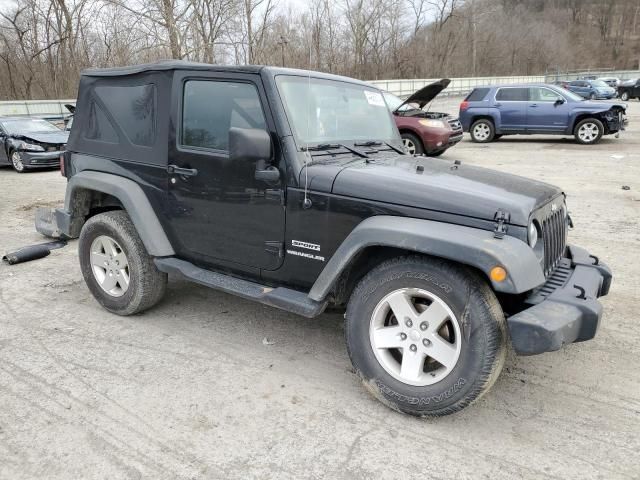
(409, 146)
(481, 131)
(110, 266)
(588, 132)
(16, 160)
(415, 336)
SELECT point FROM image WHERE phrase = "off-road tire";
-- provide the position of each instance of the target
(490, 128)
(480, 318)
(147, 284)
(595, 139)
(419, 148)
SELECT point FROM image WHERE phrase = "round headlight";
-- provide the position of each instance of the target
(533, 235)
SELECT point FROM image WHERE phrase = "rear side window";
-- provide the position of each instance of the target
(99, 127)
(477, 95)
(513, 94)
(211, 108)
(133, 108)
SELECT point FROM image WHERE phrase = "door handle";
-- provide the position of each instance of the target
(185, 172)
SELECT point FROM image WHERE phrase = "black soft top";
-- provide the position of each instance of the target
(168, 65)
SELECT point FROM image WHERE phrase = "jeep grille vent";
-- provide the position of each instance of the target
(554, 226)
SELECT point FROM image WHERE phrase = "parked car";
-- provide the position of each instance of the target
(295, 191)
(423, 131)
(27, 143)
(68, 121)
(629, 89)
(561, 83)
(611, 81)
(592, 89)
(491, 112)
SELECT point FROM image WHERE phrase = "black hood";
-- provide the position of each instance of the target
(55, 138)
(441, 186)
(426, 94)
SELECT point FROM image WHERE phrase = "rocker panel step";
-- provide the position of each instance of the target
(280, 297)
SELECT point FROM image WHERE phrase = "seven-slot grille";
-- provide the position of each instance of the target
(554, 228)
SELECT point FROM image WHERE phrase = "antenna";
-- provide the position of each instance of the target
(306, 204)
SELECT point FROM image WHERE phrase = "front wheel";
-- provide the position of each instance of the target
(412, 144)
(426, 337)
(116, 267)
(482, 131)
(589, 131)
(592, 96)
(16, 162)
(625, 96)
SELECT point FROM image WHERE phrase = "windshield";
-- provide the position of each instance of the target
(327, 111)
(569, 94)
(28, 125)
(599, 84)
(394, 102)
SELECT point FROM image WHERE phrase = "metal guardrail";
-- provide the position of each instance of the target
(463, 85)
(55, 109)
(52, 109)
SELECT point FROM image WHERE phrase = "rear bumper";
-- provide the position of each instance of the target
(40, 159)
(565, 309)
(54, 223)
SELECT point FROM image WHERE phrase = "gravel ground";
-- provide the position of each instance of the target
(191, 390)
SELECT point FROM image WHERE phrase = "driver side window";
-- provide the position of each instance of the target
(211, 108)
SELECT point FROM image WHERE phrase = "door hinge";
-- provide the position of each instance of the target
(274, 248)
(502, 220)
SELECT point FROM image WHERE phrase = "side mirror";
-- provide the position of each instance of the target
(559, 102)
(253, 146)
(249, 145)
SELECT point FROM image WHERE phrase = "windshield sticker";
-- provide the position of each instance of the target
(374, 98)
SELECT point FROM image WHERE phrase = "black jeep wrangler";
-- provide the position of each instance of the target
(292, 188)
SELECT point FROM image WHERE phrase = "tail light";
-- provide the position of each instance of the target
(464, 105)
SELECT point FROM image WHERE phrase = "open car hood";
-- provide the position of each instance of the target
(426, 94)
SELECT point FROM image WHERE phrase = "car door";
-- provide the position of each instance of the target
(219, 213)
(547, 111)
(512, 104)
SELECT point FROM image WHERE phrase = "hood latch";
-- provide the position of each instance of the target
(502, 220)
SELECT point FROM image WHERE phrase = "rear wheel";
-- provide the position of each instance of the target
(16, 162)
(116, 267)
(426, 337)
(592, 96)
(482, 131)
(589, 131)
(412, 144)
(625, 96)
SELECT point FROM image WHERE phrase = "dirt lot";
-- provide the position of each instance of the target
(191, 390)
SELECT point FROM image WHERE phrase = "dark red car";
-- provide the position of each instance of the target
(422, 131)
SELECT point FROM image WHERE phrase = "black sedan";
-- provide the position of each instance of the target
(27, 143)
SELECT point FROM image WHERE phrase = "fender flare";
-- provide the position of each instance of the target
(134, 201)
(470, 246)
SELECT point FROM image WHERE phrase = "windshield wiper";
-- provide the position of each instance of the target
(333, 146)
(374, 143)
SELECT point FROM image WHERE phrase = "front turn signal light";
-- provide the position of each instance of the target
(498, 274)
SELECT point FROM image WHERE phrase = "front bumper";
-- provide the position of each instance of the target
(565, 309)
(40, 159)
(436, 141)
